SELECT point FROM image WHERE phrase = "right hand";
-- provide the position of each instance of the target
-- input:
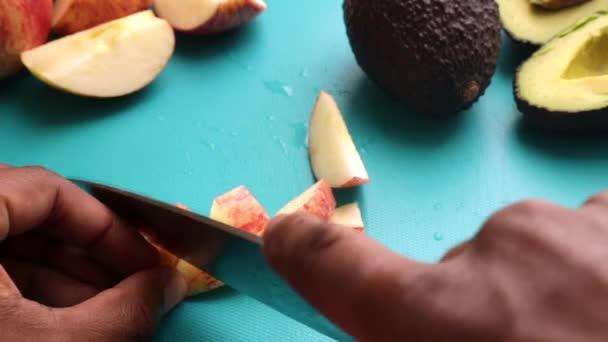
(534, 272)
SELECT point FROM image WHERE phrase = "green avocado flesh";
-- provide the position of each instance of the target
(566, 81)
(529, 23)
(436, 56)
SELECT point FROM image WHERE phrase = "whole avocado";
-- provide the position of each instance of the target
(437, 56)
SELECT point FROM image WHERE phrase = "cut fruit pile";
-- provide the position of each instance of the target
(335, 156)
(110, 48)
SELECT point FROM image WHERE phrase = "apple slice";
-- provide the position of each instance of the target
(208, 16)
(318, 200)
(110, 60)
(71, 16)
(333, 154)
(240, 209)
(24, 24)
(348, 215)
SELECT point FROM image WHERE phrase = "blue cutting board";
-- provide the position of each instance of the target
(233, 110)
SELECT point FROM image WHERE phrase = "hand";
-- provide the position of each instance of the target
(70, 270)
(534, 272)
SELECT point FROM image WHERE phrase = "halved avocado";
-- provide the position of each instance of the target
(532, 24)
(564, 85)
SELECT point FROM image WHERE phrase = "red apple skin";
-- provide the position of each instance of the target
(24, 25)
(81, 15)
(355, 182)
(245, 212)
(230, 15)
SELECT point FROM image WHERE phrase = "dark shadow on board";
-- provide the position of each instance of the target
(349, 195)
(512, 54)
(49, 106)
(573, 146)
(389, 116)
(203, 47)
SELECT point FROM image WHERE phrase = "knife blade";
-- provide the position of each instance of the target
(229, 254)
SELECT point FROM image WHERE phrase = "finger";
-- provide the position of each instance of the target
(72, 261)
(351, 279)
(4, 166)
(46, 286)
(132, 309)
(34, 197)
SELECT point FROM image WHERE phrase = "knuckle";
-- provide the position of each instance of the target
(517, 217)
(38, 171)
(598, 199)
(139, 321)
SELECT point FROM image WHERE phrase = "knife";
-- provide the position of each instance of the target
(229, 254)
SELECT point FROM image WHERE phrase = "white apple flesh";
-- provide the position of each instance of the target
(208, 16)
(109, 60)
(333, 154)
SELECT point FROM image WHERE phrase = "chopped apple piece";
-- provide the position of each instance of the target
(208, 16)
(113, 59)
(318, 200)
(71, 16)
(333, 154)
(24, 25)
(348, 215)
(240, 209)
(237, 208)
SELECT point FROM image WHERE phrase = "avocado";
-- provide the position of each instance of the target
(564, 85)
(436, 56)
(528, 23)
(556, 4)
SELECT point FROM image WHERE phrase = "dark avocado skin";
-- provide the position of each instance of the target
(548, 120)
(437, 56)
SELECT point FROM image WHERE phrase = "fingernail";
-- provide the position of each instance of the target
(175, 290)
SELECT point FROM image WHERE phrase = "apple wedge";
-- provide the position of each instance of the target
(24, 25)
(208, 16)
(318, 200)
(348, 215)
(240, 209)
(71, 16)
(109, 60)
(333, 154)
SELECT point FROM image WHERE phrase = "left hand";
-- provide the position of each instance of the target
(72, 270)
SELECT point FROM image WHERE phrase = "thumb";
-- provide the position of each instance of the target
(356, 282)
(132, 309)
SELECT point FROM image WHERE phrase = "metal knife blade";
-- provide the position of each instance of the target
(227, 253)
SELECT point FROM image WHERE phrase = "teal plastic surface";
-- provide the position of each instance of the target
(233, 110)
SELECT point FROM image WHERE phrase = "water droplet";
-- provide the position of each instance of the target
(300, 135)
(160, 118)
(438, 236)
(234, 134)
(288, 90)
(199, 124)
(271, 117)
(283, 146)
(279, 88)
(249, 68)
(304, 72)
(212, 146)
(437, 206)
(275, 137)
